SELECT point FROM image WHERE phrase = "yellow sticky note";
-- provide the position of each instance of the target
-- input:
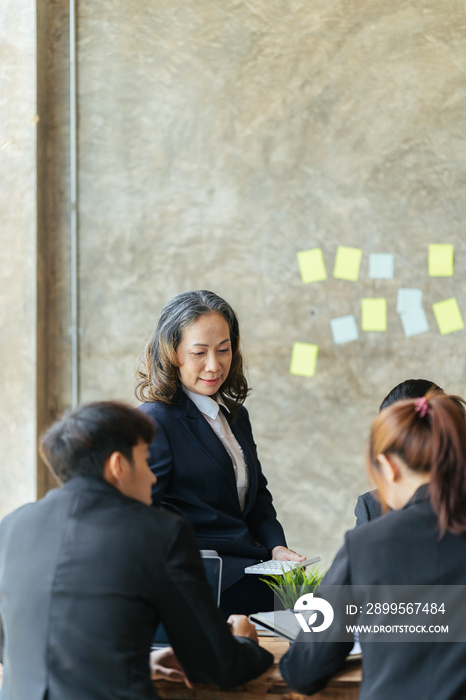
(448, 316)
(311, 265)
(304, 359)
(440, 260)
(347, 263)
(374, 314)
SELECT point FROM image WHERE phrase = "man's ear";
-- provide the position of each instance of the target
(389, 468)
(113, 469)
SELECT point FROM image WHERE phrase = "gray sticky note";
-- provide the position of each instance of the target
(381, 266)
(408, 300)
(344, 329)
(415, 322)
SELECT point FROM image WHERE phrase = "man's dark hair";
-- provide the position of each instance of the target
(80, 443)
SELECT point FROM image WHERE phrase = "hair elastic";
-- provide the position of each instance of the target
(422, 407)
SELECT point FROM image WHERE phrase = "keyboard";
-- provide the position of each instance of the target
(278, 568)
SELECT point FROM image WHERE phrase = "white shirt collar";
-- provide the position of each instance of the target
(209, 407)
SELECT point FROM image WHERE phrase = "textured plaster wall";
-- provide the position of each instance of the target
(17, 253)
(218, 139)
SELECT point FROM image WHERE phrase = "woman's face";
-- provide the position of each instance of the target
(396, 481)
(204, 354)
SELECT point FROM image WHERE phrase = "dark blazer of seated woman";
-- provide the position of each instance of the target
(421, 445)
(368, 506)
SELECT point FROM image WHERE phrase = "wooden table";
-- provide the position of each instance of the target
(343, 686)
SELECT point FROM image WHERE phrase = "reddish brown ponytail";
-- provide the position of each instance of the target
(429, 435)
(448, 467)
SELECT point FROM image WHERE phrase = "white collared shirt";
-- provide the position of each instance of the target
(210, 409)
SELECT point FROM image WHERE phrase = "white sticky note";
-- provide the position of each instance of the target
(408, 300)
(344, 329)
(414, 322)
(381, 266)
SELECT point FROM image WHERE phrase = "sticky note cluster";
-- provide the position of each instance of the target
(381, 265)
(409, 306)
(347, 265)
(441, 264)
(373, 318)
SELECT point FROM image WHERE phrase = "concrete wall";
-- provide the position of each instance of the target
(216, 140)
(18, 111)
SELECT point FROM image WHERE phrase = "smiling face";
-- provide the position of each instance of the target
(204, 354)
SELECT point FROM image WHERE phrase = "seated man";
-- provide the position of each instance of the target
(89, 572)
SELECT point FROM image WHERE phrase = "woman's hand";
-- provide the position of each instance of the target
(284, 554)
(164, 665)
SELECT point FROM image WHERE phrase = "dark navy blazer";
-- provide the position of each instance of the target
(86, 576)
(402, 548)
(368, 507)
(196, 479)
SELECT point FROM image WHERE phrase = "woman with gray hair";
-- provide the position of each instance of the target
(191, 382)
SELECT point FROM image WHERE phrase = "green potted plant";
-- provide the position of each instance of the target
(291, 585)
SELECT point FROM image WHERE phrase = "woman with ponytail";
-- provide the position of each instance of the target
(417, 458)
(368, 506)
(423, 441)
